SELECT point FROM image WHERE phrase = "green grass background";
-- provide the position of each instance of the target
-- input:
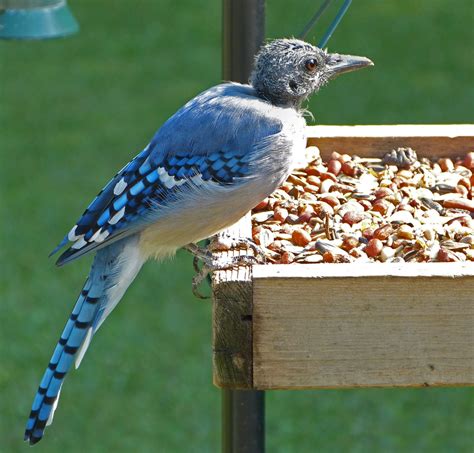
(73, 111)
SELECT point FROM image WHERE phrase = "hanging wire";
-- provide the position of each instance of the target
(314, 19)
(334, 23)
(327, 35)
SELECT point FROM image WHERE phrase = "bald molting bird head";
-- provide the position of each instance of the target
(288, 71)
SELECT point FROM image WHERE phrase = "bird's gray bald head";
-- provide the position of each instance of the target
(287, 71)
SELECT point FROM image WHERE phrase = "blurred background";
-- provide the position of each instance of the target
(74, 111)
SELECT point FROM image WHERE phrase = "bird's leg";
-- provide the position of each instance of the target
(200, 254)
(212, 264)
(223, 243)
(204, 255)
(201, 275)
(219, 265)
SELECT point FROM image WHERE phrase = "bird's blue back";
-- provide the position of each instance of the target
(212, 137)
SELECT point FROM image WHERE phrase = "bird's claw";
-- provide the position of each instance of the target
(210, 264)
(219, 265)
(224, 243)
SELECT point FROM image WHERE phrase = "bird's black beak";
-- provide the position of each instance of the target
(339, 64)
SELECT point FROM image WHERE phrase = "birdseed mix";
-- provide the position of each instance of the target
(400, 208)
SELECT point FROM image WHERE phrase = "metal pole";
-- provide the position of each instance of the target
(243, 421)
(243, 32)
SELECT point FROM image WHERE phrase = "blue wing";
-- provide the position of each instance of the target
(209, 140)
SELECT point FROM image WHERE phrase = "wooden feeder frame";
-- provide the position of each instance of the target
(312, 326)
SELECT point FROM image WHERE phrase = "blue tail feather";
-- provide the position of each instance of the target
(114, 268)
(72, 337)
(59, 246)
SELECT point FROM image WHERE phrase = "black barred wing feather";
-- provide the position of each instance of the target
(133, 197)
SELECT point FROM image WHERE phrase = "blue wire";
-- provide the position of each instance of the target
(334, 24)
(314, 19)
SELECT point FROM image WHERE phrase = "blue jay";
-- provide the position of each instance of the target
(210, 163)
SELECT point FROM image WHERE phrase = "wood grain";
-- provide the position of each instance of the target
(358, 331)
(232, 319)
(428, 140)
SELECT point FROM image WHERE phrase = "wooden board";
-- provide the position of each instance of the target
(436, 140)
(232, 319)
(339, 325)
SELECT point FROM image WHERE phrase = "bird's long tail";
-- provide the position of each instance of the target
(113, 270)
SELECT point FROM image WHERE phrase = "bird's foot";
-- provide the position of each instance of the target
(218, 265)
(212, 264)
(224, 243)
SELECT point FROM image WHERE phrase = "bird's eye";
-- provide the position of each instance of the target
(311, 65)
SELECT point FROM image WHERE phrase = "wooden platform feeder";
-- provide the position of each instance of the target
(349, 325)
